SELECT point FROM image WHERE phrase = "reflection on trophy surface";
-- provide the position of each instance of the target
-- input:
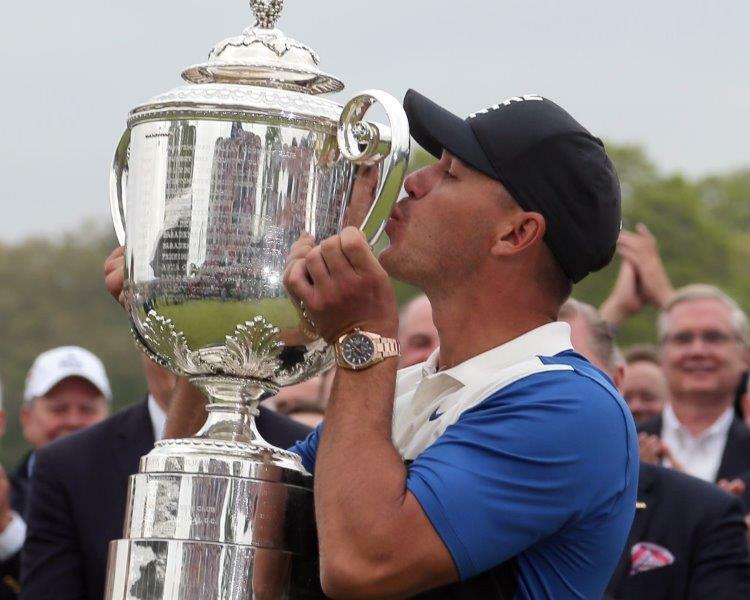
(211, 185)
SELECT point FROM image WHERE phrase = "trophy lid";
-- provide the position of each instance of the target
(264, 56)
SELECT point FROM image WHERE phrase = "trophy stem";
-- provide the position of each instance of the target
(232, 408)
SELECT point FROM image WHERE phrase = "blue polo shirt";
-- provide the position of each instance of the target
(520, 457)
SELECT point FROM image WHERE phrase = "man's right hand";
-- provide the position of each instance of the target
(114, 274)
(6, 516)
(649, 447)
(624, 300)
(641, 250)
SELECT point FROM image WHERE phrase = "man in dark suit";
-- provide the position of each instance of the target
(687, 541)
(688, 536)
(66, 389)
(735, 457)
(704, 337)
(79, 491)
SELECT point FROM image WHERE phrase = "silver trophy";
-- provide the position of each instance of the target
(211, 184)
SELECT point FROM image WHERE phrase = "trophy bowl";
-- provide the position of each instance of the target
(210, 186)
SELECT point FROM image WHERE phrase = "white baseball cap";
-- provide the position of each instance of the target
(52, 366)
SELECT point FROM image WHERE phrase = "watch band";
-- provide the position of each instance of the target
(386, 347)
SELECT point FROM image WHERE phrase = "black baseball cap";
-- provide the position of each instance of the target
(546, 160)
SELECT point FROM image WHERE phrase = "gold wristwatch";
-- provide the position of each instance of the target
(359, 349)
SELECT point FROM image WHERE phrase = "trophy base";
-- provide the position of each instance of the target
(217, 519)
(190, 570)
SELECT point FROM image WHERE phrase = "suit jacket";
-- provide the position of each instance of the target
(701, 526)
(736, 457)
(78, 495)
(9, 569)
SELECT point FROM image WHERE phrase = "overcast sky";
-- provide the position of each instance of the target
(672, 75)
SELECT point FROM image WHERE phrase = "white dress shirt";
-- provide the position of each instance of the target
(158, 418)
(13, 537)
(699, 455)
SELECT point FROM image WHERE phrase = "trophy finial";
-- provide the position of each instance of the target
(267, 12)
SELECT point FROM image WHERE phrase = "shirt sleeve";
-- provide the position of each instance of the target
(308, 449)
(514, 470)
(13, 537)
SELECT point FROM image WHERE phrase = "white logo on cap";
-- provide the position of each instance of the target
(71, 361)
(524, 98)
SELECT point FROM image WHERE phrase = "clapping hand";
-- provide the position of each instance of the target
(640, 249)
(642, 278)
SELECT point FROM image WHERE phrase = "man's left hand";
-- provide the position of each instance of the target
(341, 285)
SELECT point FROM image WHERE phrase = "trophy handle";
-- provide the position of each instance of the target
(368, 143)
(118, 178)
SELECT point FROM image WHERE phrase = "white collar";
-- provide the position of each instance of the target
(547, 340)
(158, 418)
(719, 428)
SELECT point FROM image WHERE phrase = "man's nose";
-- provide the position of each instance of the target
(410, 184)
(75, 419)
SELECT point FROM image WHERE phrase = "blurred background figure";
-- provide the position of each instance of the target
(704, 338)
(304, 402)
(688, 537)
(591, 336)
(417, 334)
(644, 387)
(67, 389)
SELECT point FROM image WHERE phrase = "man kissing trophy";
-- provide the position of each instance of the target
(211, 184)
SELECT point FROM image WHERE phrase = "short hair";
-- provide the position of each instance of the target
(549, 274)
(551, 277)
(599, 332)
(642, 353)
(703, 291)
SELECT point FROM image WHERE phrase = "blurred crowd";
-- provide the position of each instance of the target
(688, 394)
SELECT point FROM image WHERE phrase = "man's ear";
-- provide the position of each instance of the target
(24, 415)
(521, 231)
(618, 377)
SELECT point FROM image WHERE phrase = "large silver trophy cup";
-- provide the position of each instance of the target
(211, 184)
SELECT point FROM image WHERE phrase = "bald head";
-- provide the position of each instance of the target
(416, 333)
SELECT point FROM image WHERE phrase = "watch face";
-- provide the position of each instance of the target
(357, 349)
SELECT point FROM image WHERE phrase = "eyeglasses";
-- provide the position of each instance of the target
(710, 337)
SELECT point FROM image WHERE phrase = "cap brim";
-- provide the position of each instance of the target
(436, 129)
(43, 386)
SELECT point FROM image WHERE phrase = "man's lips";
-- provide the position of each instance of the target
(396, 217)
(698, 369)
(390, 225)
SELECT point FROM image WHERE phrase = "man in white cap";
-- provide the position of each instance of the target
(66, 390)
